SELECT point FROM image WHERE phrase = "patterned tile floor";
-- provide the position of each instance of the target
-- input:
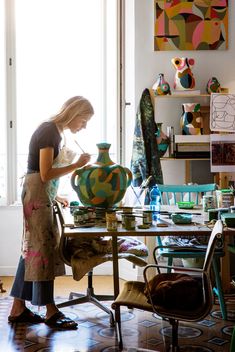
(139, 328)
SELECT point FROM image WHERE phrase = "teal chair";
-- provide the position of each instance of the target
(170, 194)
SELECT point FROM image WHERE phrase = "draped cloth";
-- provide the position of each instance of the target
(86, 253)
(145, 160)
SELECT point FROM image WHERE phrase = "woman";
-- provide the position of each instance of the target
(40, 262)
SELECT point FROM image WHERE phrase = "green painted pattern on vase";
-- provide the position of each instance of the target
(102, 184)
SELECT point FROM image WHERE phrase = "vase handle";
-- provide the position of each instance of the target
(74, 179)
(128, 175)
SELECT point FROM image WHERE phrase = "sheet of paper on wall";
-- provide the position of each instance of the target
(222, 112)
(222, 152)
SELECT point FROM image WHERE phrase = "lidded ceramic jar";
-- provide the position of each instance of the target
(102, 184)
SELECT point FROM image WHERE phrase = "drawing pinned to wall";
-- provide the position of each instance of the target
(222, 152)
(190, 25)
(222, 112)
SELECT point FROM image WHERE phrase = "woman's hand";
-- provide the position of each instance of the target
(63, 201)
(83, 160)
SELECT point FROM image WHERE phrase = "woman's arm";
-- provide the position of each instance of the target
(47, 172)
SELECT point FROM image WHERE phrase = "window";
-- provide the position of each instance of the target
(62, 48)
(3, 163)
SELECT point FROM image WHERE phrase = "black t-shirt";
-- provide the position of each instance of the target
(46, 135)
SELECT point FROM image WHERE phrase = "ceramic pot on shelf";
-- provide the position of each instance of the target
(163, 140)
(191, 121)
(102, 184)
(161, 86)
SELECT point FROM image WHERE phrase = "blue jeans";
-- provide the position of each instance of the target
(39, 293)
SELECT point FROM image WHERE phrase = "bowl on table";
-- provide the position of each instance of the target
(181, 218)
(185, 205)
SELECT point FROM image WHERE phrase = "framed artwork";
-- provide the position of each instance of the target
(222, 152)
(222, 112)
(190, 25)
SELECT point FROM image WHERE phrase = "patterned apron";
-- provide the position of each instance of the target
(40, 241)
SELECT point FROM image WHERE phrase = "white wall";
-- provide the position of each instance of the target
(10, 238)
(149, 63)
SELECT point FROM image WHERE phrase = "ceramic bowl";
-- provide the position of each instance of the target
(181, 218)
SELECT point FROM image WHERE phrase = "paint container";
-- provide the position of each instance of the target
(147, 217)
(225, 198)
(208, 202)
(73, 206)
(111, 220)
(78, 217)
(129, 222)
(213, 214)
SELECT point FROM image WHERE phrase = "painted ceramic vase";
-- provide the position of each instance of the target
(161, 86)
(213, 86)
(184, 78)
(162, 140)
(102, 184)
(191, 121)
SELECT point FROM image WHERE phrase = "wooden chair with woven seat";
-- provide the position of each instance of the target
(170, 194)
(136, 294)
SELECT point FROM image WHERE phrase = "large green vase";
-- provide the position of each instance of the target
(102, 184)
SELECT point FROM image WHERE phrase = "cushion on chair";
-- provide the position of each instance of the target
(173, 290)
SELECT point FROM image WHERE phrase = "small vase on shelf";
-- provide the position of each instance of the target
(163, 140)
(213, 86)
(191, 121)
(184, 79)
(161, 86)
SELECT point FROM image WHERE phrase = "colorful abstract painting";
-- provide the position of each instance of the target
(191, 25)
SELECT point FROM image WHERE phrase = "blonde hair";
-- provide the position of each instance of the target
(73, 107)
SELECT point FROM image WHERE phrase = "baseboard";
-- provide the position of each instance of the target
(127, 270)
(8, 270)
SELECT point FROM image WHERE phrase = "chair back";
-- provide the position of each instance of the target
(215, 235)
(198, 312)
(63, 239)
(170, 194)
(175, 193)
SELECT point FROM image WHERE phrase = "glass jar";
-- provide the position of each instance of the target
(78, 217)
(129, 222)
(111, 220)
(208, 202)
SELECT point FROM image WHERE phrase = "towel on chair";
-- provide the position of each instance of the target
(86, 253)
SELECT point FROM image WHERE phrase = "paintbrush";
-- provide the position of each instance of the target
(79, 146)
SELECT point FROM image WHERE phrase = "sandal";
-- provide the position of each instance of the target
(60, 321)
(26, 317)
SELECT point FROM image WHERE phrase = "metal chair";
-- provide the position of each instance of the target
(136, 294)
(75, 297)
(90, 296)
(232, 343)
(176, 193)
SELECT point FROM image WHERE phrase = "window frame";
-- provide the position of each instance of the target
(11, 97)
